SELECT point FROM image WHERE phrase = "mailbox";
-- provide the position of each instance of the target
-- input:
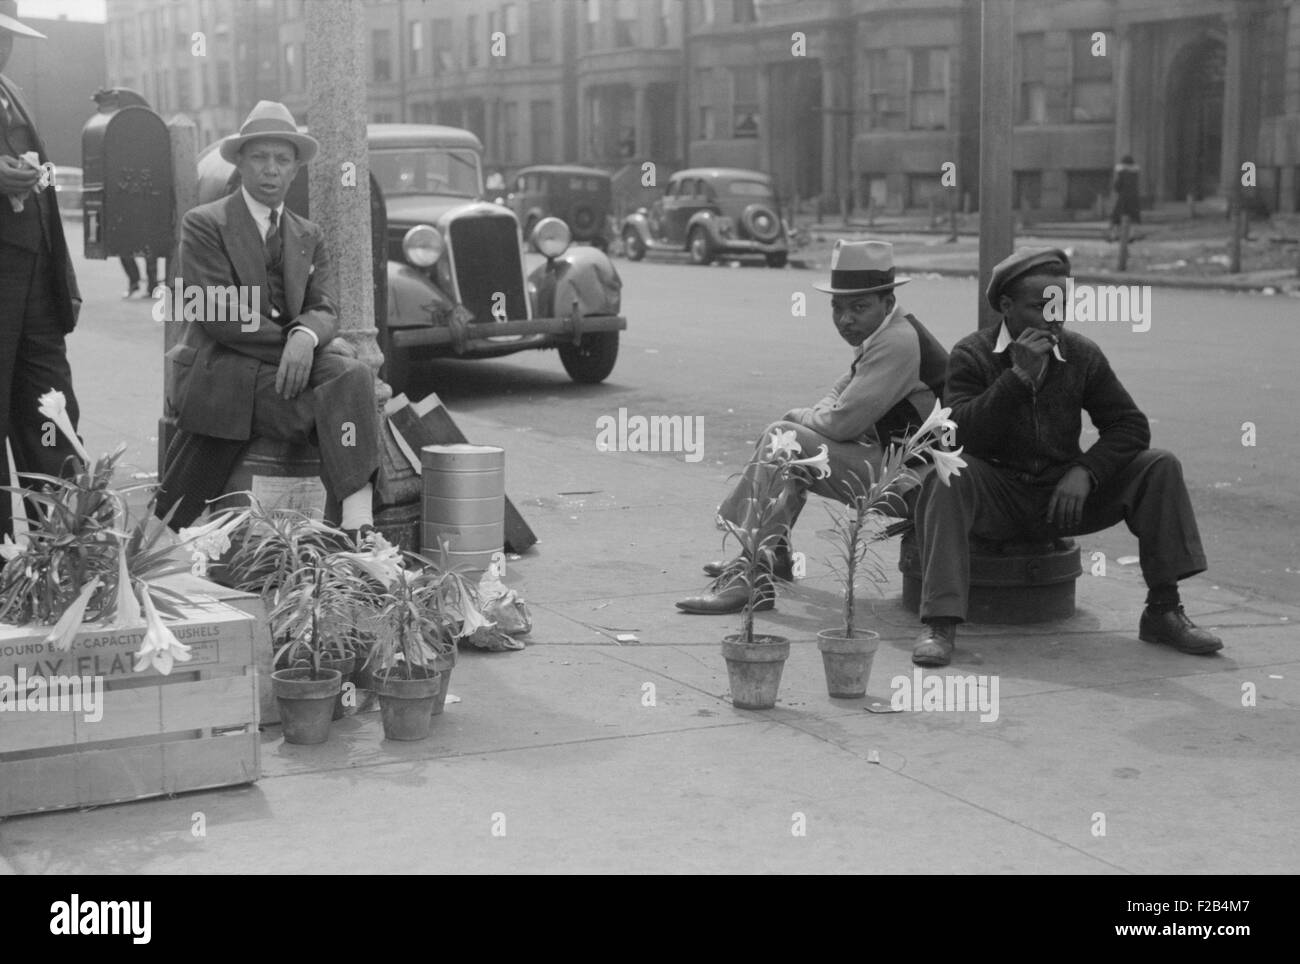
(127, 196)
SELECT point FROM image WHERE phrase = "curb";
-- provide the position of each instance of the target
(1156, 281)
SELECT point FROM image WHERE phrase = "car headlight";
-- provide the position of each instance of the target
(551, 237)
(422, 245)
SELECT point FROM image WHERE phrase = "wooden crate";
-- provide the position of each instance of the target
(191, 730)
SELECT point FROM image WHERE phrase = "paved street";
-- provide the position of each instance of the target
(559, 738)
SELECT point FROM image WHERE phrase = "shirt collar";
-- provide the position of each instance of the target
(1005, 339)
(260, 212)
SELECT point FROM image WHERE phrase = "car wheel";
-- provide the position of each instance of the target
(592, 359)
(633, 246)
(700, 247)
(777, 259)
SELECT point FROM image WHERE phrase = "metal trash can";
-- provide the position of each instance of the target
(463, 502)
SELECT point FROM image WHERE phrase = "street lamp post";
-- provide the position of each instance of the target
(997, 230)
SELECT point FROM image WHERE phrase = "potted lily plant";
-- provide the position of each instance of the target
(755, 661)
(417, 612)
(848, 650)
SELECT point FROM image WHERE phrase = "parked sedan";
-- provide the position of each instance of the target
(578, 196)
(711, 212)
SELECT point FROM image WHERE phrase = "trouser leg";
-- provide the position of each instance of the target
(196, 470)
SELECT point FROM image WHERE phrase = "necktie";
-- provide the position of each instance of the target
(273, 240)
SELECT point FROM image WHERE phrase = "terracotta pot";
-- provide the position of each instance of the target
(306, 704)
(754, 670)
(406, 705)
(847, 661)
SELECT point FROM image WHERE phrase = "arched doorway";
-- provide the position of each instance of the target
(1195, 118)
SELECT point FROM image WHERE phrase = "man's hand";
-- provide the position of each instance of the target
(17, 177)
(295, 365)
(1066, 506)
(1029, 351)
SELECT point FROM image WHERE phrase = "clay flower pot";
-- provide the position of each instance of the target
(306, 704)
(847, 661)
(754, 669)
(406, 705)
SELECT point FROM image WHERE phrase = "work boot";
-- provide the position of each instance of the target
(934, 646)
(1173, 628)
(782, 565)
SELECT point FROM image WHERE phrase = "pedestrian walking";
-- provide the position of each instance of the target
(1124, 186)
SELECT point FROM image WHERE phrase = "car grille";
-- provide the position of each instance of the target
(487, 261)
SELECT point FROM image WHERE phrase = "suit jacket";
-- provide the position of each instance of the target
(214, 365)
(67, 295)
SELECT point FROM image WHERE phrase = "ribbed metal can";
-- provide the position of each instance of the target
(463, 503)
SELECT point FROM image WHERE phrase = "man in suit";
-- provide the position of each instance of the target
(263, 361)
(889, 389)
(1017, 393)
(39, 298)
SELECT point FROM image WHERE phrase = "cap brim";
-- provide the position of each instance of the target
(861, 291)
(307, 146)
(13, 26)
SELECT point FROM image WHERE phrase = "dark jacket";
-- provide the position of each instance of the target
(67, 296)
(1004, 422)
(215, 364)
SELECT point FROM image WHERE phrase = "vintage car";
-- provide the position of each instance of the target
(456, 284)
(710, 212)
(578, 196)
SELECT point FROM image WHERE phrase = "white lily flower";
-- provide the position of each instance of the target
(128, 607)
(782, 443)
(10, 550)
(382, 561)
(54, 406)
(948, 464)
(819, 463)
(210, 540)
(473, 621)
(937, 419)
(161, 647)
(65, 629)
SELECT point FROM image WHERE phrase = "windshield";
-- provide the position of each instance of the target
(427, 171)
(748, 189)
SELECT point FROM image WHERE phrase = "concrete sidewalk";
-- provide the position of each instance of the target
(1108, 755)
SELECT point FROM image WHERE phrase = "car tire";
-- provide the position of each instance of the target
(633, 245)
(591, 360)
(700, 247)
(777, 259)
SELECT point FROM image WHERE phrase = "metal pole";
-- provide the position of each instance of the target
(997, 229)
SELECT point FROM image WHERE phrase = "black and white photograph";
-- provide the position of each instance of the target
(646, 437)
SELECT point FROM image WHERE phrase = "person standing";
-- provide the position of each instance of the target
(38, 289)
(1124, 185)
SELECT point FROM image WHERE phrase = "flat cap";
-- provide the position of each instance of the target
(1018, 265)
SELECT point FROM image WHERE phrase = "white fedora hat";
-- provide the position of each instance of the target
(269, 119)
(9, 21)
(860, 267)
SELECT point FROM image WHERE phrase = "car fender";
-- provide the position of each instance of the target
(413, 298)
(637, 221)
(707, 220)
(582, 274)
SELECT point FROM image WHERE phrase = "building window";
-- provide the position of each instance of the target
(541, 46)
(1027, 190)
(421, 113)
(625, 24)
(663, 22)
(1084, 188)
(704, 98)
(381, 117)
(591, 26)
(381, 56)
(441, 44)
(705, 131)
(744, 102)
(928, 94)
(183, 90)
(223, 83)
(1092, 95)
(703, 12)
(472, 40)
(879, 111)
(415, 48)
(922, 189)
(542, 117)
(509, 131)
(289, 73)
(742, 11)
(1032, 88)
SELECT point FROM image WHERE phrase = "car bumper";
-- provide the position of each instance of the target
(469, 338)
(742, 246)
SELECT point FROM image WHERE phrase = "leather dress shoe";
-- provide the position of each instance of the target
(1173, 628)
(934, 646)
(730, 599)
(783, 569)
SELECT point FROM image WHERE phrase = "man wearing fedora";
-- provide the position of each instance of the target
(39, 299)
(891, 385)
(1017, 393)
(277, 371)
